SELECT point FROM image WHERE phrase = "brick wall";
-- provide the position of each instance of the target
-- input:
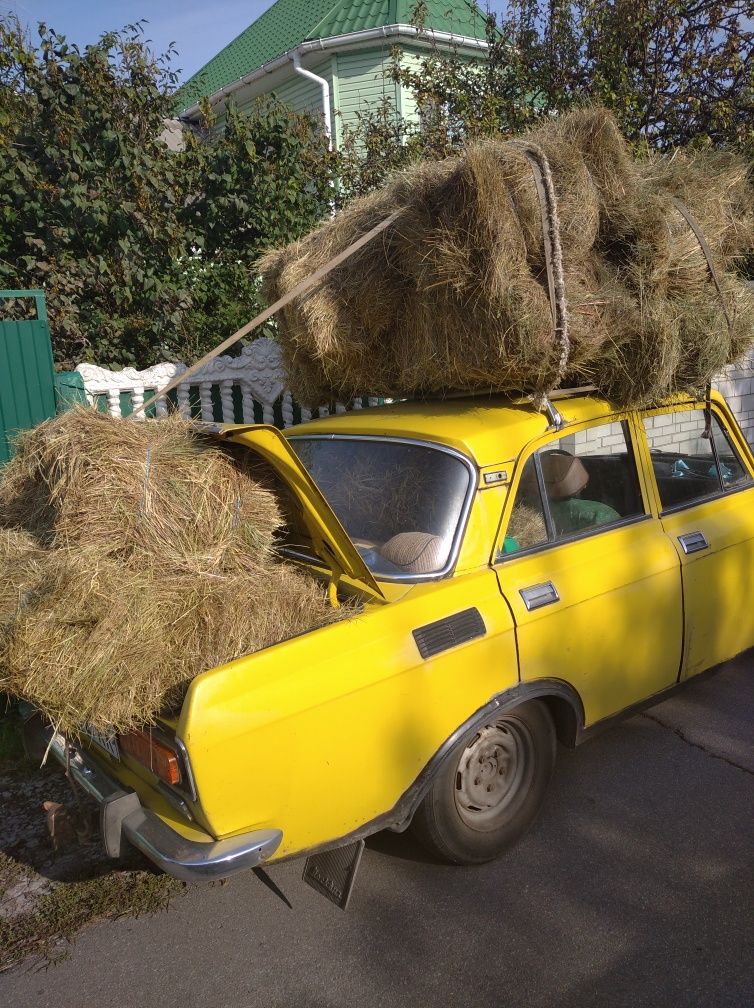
(737, 385)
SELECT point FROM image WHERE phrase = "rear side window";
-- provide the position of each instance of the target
(574, 486)
(689, 466)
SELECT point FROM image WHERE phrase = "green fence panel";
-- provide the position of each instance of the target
(27, 383)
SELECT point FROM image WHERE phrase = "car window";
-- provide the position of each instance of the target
(574, 486)
(689, 466)
(401, 503)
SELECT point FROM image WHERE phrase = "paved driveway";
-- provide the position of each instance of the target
(636, 887)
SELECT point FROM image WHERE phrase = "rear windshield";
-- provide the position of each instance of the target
(400, 503)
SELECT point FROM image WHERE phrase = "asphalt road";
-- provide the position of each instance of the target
(636, 887)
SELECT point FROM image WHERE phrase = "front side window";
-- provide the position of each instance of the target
(573, 486)
(400, 503)
(689, 465)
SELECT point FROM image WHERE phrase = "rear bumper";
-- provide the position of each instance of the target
(124, 818)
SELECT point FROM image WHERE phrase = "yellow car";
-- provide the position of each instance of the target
(526, 577)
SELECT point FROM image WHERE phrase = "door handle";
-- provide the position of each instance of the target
(692, 542)
(539, 595)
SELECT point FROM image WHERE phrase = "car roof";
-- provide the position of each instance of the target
(489, 429)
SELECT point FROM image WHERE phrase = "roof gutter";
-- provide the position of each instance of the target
(325, 88)
(425, 37)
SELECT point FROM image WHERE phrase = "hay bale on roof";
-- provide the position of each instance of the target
(453, 295)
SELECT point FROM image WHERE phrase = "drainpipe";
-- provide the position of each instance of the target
(325, 87)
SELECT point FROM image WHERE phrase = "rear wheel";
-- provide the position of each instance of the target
(490, 788)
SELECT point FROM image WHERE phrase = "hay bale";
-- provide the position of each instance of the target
(453, 295)
(100, 643)
(118, 589)
(85, 478)
(526, 526)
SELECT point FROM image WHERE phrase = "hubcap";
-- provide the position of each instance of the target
(492, 772)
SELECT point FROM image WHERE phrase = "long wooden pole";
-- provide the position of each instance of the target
(299, 289)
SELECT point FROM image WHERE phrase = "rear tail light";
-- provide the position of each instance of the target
(154, 754)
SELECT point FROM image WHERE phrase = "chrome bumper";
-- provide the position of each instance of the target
(122, 816)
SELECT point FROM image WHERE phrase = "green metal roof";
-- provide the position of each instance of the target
(289, 22)
(458, 16)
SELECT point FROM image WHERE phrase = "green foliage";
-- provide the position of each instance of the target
(261, 178)
(264, 181)
(673, 73)
(91, 207)
(144, 253)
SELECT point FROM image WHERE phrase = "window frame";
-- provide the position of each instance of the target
(628, 419)
(731, 436)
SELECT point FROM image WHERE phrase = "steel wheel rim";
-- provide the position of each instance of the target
(494, 773)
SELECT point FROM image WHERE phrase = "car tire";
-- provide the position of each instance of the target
(490, 788)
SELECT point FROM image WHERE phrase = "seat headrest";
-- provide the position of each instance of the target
(415, 552)
(564, 475)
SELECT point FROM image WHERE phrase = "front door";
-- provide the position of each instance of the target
(705, 493)
(591, 578)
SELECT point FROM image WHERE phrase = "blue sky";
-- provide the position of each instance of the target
(199, 29)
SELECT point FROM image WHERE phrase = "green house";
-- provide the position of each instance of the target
(331, 60)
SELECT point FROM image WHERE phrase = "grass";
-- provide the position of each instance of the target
(47, 931)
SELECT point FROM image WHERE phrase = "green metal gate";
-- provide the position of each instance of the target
(27, 385)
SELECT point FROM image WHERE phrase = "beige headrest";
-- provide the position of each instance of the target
(415, 552)
(564, 475)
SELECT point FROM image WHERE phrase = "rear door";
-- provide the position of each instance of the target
(705, 495)
(591, 578)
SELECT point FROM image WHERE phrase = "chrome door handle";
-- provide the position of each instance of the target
(692, 542)
(539, 595)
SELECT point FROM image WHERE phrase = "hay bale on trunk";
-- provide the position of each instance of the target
(162, 487)
(453, 295)
(145, 558)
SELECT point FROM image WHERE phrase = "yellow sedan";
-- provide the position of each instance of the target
(525, 576)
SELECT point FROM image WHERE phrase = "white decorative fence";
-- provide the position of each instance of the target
(249, 388)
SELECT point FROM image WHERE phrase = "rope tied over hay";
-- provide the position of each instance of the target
(548, 203)
(145, 492)
(458, 298)
(707, 253)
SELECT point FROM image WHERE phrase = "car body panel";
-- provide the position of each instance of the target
(719, 623)
(609, 583)
(615, 632)
(360, 710)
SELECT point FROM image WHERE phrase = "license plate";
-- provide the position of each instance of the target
(106, 742)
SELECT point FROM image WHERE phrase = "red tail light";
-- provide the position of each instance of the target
(157, 756)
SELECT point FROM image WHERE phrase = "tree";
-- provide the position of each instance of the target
(91, 201)
(144, 253)
(264, 179)
(674, 73)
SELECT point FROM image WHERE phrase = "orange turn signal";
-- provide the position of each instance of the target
(153, 754)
